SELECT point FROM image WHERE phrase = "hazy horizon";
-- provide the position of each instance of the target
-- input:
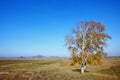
(38, 27)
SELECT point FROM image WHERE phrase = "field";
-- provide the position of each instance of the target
(57, 69)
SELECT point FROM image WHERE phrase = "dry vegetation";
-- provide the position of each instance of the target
(57, 69)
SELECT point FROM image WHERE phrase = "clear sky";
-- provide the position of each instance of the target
(38, 27)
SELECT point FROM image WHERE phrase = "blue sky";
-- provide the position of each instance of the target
(38, 27)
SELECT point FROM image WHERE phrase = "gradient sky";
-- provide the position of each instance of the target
(38, 27)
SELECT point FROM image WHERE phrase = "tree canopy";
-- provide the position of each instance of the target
(87, 43)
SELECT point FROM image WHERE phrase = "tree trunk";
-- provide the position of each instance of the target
(83, 67)
(82, 70)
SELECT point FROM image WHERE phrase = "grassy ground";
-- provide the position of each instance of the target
(57, 69)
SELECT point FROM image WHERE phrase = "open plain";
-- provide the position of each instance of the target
(57, 69)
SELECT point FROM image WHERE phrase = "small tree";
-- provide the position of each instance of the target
(87, 43)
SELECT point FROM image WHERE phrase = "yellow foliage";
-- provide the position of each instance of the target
(88, 42)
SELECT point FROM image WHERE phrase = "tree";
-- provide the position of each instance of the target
(87, 43)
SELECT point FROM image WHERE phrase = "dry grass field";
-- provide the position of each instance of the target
(57, 69)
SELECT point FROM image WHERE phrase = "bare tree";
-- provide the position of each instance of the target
(87, 43)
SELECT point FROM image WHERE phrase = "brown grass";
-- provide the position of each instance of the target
(57, 69)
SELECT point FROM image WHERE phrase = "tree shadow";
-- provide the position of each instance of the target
(78, 70)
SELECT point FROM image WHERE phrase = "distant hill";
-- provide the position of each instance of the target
(40, 57)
